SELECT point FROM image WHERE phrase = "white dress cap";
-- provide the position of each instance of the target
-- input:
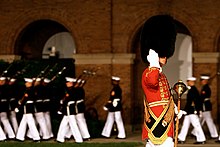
(115, 78)
(38, 79)
(2, 78)
(46, 80)
(191, 78)
(204, 77)
(12, 80)
(69, 79)
(28, 80)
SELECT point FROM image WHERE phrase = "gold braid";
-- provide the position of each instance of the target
(170, 112)
(146, 116)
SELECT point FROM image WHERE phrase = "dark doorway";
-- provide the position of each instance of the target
(30, 42)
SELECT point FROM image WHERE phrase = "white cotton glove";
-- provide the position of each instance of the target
(180, 113)
(16, 110)
(106, 109)
(153, 59)
(115, 102)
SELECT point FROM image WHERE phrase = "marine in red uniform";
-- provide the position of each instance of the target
(157, 45)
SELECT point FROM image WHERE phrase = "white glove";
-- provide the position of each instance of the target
(115, 102)
(180, 113)
(106, 109)
(16, 110)
(153, 59)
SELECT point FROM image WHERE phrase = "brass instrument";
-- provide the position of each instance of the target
(179, 88)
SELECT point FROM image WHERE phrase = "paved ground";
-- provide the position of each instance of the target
(136, 137)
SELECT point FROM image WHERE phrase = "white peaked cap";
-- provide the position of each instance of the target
(13, 79)
(38, 79)
(191, 78)
(204, 77)
(46, 80)
(2, 78)
(115, 78)
(69, 79)
(28, 80)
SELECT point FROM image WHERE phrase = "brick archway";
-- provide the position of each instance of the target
(31, 40)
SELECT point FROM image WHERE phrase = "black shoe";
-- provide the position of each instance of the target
(86, 139)
(36, 141)
(203, 142)
(214, 138)
(217, 141)
(120, 138)
(105, 137)
(180, 142)
(58, 141)
(19, 140)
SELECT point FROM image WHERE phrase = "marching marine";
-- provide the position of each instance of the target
(27, 103)
(193, 109)
(4, 108)
(114, 108)
(205, 95)
(69, 112)
(80, 109)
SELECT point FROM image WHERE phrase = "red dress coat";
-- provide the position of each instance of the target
(159, 106)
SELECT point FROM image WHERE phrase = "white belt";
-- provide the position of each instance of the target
(206, 99)
(158, 103)
(46, 100)
(29, 102)
(70, 102)
(3, 100)
(12, 99)
(79, 101)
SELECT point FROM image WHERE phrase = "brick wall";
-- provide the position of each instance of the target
(110, 27)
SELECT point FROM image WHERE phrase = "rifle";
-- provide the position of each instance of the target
(6, 71)
(59, 73)
(80, 82)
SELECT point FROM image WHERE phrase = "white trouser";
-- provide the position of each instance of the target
(27, 120)
(40, 119)
(207, 117)
(69, 121)
(194, 120)
(48, 123)
(114, 116)
(167, 143)
(81, 122)
(7, 126)
(14, 121)
(2, 134)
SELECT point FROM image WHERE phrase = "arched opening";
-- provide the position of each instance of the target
(36, 38)
(182, 56)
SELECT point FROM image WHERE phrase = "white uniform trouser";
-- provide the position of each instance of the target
(69, 121)
(27, 120)
(14, 121)
(194, 120)
(2, 134)
(7, 126)
(207, 117)
(48, 123)
(81, 122)
(167, 143)
(40, 119)
(114, 116)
